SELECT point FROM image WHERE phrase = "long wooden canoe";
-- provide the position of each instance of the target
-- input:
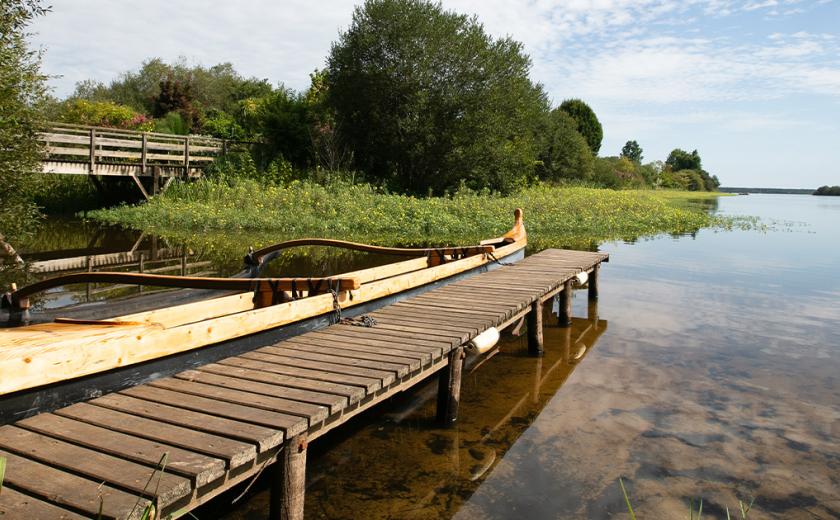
(47, 365)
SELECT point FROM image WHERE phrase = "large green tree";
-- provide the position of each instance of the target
(632, 151)
(427, 99)
(679, 159)
(566, 154)
(587, 122)
(22, 87)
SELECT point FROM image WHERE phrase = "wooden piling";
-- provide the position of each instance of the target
(564, 316)
(288, 480)
(449, 388)
(593, 282)
(535, 330)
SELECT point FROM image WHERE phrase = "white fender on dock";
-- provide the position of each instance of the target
(581, 278)
(482, 343)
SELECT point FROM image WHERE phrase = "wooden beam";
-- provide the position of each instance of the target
(535, 329)
(288, 482)
(449, 388)
(593, 282)
(564, 317)
(140, 185)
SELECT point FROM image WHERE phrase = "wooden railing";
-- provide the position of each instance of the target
(86, 150)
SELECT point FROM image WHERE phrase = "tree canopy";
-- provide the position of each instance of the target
(22, 88)
(632, 151)
(566, 154)
(427, 99)
(587, 122)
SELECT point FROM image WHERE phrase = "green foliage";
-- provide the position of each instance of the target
(22, 88)
(632, 151)
(172, 123)
(223, 125)
(587, 122)
(426, 99)
(566, 155)
(281, 120)
(103, 113)
(555, 216)
(619, 173)
(176, 96)
(681, 160)
(828, 190)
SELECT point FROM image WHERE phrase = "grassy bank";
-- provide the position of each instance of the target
(555, 216)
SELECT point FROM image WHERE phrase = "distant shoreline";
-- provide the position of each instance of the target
(789, 191)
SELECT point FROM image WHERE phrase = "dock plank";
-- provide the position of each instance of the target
(18, 505)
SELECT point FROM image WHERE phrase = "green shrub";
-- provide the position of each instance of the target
(104, 113)
(566, 155)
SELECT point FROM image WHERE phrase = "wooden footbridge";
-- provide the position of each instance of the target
(98, 151)
(225, 423)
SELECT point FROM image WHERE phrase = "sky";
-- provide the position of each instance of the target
(753, 85)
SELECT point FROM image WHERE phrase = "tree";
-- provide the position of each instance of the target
(427, 100)
(566, 154)
(22, 88)
(632, 151)
(679, 159)
(281, 119)
(587, 122)
(176, 96)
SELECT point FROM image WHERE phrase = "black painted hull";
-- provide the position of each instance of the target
(25, 403)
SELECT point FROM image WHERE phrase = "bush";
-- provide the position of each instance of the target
(104, 113)
(618, 173)
(828, 190)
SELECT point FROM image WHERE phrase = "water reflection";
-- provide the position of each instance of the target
(396, 463)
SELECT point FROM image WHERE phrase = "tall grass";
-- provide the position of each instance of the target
(693, 514)
(555, 216)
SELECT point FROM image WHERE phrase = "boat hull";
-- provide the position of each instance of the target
(19, 405)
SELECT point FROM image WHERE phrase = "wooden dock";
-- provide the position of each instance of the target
(224, 423)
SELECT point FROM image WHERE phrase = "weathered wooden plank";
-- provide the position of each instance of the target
(312, 413)
(450, 308)
(264, 438)
(364, 334)
(91, 463)
(399, 369)
(261, 371)
(285, 422)
(425, 354)
(369, 384)
(427, 330)
(405, 335)
(17, 505)
(331, 401)
(474, 325)
(397, 358)
(385, 377)
(201, 468)
(236, 453)
(70, 491)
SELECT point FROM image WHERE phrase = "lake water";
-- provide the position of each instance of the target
(710, 369)
(712, 373)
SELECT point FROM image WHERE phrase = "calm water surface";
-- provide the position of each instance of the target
(712, 373)
(708, 370)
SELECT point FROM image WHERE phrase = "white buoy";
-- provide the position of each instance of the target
(581, 278)
(483, 342)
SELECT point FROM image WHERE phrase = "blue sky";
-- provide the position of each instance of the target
(753, 85)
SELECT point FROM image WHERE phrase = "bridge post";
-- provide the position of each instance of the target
(449, 388)
(564, 317)
(92, 166)
(155, 180)
(535, 329)
(187, 157)
(145, 143)
(288, 482)
(593, 282)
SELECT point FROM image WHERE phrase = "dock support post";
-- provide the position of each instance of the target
(564, 316)
(593, 282)
(288, 480)
(449, 388)
(535, 329)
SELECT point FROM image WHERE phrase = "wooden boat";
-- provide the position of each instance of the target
(47, 365)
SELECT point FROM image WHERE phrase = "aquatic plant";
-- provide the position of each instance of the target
(743, 509)
(247, 213)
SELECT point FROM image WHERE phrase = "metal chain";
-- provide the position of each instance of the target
(360, 321)
(493, 257)
(336, 306)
